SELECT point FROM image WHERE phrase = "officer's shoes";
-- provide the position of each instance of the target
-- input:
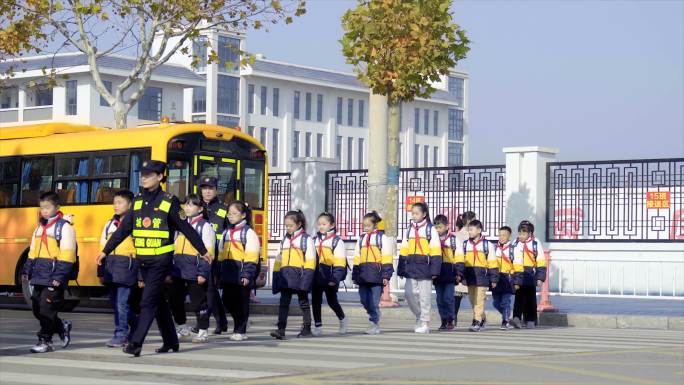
(42, 347)
(305, 332)
(238, 337)
(166, 348)
(201, 337)
(278, 334)
(133, 349)
(65, 335)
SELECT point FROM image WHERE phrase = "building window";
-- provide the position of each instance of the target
(274, 147)
(455, 124)
(250, 131)
(426, 129)
(276, 101)
(426, 150)
(229, 54)
(307, 106)
(228, 94)
(108, 86)
(339, 110)
(350, 112)
(43, 94)
(295, 145)
(416, 121)
(319, 108)
(360, 154)
(307, 145)
(250, 98)
(350, 149)
(455, 154)
(361, 112)
(227, 121)
(199, 49)
(456, 89)
(199, 99)
(150, 104)
(416, 153)
(296, 104)
(319, 145)
(338, 147)
(264, 100)
(199, 118)
(262, 137)
(71, 97)
(435, 123)
(435, 156)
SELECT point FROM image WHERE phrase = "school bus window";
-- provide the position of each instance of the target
(253, 182)
(70, 183)
(72, 167)
(110, 164)
(179, 178)
(9, 185)
(226, 173)
(103, 190)
(137, 157)
(36, 178)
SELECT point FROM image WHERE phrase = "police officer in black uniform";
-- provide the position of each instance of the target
(154, 221)
(217, 212)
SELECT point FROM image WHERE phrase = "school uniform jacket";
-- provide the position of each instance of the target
(373, 259)
(420, 256)
(48, 260)
(188, 262)
(452, 261)
(239, 255)
(476, 254)
(529, 263)
(120, 267)
(501, 267)
(331, 263)
(295, 263)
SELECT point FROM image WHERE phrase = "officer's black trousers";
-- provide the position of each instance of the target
(46, 303)
(152, 305)
(175, 293)
(236, 299)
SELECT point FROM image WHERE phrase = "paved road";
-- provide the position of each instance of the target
(548, 356)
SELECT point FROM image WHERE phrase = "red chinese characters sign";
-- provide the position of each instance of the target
(410, 200)
(658, 200)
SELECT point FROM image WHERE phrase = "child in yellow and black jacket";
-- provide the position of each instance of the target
(451, 273)
(420, 261)
(529, 266)
(51, 263)
(476, 257)
(293, 272)
(501, 275)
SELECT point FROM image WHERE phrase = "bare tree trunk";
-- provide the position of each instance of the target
(120, 114)
(393, 171)
(377, 155)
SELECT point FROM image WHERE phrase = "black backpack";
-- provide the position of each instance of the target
(73, 274)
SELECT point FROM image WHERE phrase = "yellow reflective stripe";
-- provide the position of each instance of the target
(219, 236)
(154, 251)
(137, 205)
(238, 170)
(194, 167)
(151, 234)
(204, 157)
(165, 206)
(221, 213)
(237, 193)
(228, 160)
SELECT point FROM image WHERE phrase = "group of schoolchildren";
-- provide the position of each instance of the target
(457, 264)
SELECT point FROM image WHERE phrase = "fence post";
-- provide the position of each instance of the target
(545, 303)
(307, 186)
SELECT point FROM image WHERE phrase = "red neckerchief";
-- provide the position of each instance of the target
(235, 228)
(321, 240)
(368, 246)
(527, 250)
(45, 227)
(443, 240)
(475, 256)
(503, 251)
(416, 234)
(292, 246)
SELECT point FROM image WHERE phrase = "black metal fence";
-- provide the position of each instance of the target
(447, 190)
(634, 200)
(279, 198)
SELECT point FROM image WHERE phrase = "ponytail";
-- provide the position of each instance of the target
(297, 216)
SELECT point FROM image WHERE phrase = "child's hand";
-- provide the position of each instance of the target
(55, 283)
(385, 282)
(332, 284)
(517, 287)
(100, 258)
(245, 282)
(458, 280)
(69, 218)
(493, 285)
(24, 278)
(141, 284)
(168, 279)
(102, 282)
(201, 280)
(539, 283)
(434, 277)
(208, 257)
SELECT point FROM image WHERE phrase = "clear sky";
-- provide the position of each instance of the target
(596, 79)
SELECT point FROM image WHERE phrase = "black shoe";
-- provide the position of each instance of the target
(165, 348)
(305, 332)
(194, 330)
(443, 326)
(220, 329)
(278, 334)
(133, 348)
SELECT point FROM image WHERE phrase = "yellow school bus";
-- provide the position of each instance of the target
(86, 165)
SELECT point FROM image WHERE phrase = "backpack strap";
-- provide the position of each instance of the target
(452, 241)
(534, 249)
(465, 246)
(304, 244)
(58, 231)
(243, 236)
(378, 240)
(335, 242)
(485, 246)
(428, 232)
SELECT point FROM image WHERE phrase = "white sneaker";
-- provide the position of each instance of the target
(184, 333)
(317, 331)
(343, 325)
(238, 337)
(374, 329)
(201, 337)
(531, 325)
(418, 324)
(423, 329)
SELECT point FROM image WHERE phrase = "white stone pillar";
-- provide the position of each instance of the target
(307, 180)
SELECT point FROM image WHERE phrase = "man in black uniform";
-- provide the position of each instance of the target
(217, 212)
(154, 221)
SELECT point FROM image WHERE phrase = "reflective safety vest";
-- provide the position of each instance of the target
(217, 218)
(151, 226)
